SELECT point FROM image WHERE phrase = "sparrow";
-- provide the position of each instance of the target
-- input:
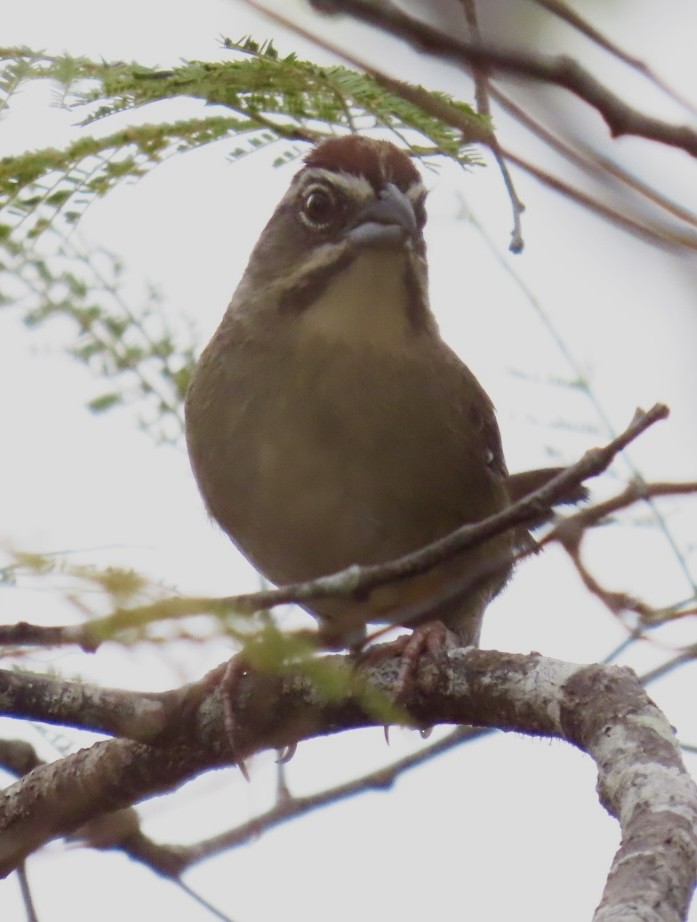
(329, 424)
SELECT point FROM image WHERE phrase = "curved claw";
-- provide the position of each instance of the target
(286, 754)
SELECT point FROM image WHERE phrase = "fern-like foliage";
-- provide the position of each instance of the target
(265, 97)
(254, 99)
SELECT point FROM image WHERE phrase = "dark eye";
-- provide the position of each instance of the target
(318, 206)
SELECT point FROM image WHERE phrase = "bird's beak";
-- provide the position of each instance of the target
(389, 221)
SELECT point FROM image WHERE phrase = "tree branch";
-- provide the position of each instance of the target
(570, 16)
(570, 531)
(472, 131)
(561, 70)
(481, 95)
(601, 709)
(356, 581)
(289, 807)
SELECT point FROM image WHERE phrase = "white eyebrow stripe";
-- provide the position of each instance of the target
(355, 187)
(358, 187)
(416, 192)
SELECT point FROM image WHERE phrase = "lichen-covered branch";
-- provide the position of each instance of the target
(601, 709)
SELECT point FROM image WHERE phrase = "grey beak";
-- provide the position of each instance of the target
(388, 221)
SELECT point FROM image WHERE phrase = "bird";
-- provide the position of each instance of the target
(328, 424)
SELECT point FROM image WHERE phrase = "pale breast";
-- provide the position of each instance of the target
(345, 458)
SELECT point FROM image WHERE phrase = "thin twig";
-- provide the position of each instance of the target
(382, 779)
(685, 656)
(357, 581)
(666, 237)
(563, 11)
(559, 70)
(26, 893)
(481, 95)
(569, 532)
(589, 160)
(473, 132)
(579, 375)
(637, 490)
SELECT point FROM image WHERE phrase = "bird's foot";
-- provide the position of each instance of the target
(433, 638)
(235, 669)
(226, 678)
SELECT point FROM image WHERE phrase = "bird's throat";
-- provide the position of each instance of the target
(368, 301)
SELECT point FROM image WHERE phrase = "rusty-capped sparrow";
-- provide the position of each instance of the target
(328, 423)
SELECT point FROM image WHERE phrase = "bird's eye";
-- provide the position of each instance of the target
(318, 206)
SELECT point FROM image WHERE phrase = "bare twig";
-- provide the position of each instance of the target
(687, 655)
(579, 375)
(591, 161)
(599, 162)
(663, 236)
(382, 779)
(563, 11)
(481, 95)
(357, 581)
(561, 71)
(570, 531)
(472, 131)
(635, 491)
(27, 898)
(654, 233)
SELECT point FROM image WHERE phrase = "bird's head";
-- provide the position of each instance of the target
(344, 251)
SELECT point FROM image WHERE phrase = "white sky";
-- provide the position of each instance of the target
(508, 809)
